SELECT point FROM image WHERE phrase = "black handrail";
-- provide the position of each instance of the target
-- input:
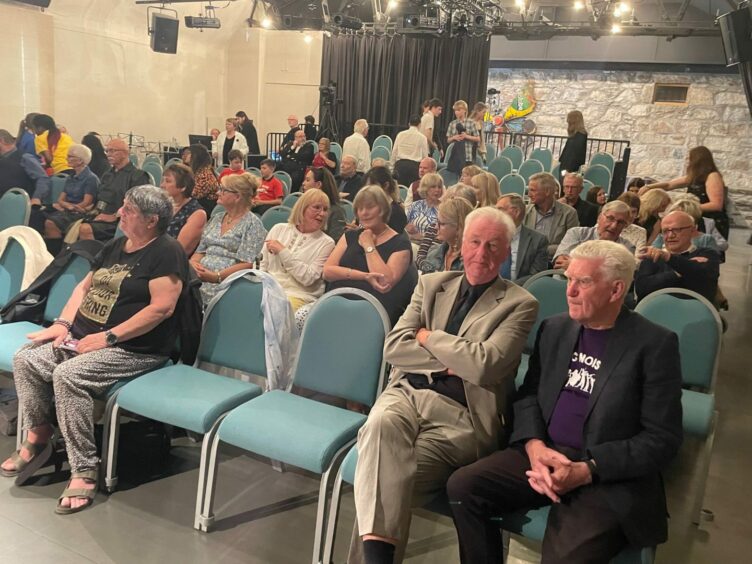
(530, 141)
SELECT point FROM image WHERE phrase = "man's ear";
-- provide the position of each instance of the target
(618, 289)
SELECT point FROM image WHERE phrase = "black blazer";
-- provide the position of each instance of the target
(573, 155)
(351, 185)
(634, 425)
(299, 161)
(587, 213)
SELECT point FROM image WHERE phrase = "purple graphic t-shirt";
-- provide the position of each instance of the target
(565, 427)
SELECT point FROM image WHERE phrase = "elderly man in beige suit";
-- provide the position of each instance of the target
(454, 354)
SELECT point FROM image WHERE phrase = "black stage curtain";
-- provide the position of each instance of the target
(385, 79)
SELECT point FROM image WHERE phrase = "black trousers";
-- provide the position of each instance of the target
(582, 528)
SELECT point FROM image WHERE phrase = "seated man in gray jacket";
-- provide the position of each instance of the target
(546, 215)
(529, 248)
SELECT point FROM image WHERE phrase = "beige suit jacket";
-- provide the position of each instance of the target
(485, 353)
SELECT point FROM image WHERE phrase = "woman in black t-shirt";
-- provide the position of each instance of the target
(374, 258)
(117, 324)
(380, 176)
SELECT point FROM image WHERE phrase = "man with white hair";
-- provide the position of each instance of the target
(545, 214)
(357, 146)
(349, 180)
(424, 167)
(454, 354)
(679, 264)
(596, 420)
(528, 247)
(292, 123)
(612, 220)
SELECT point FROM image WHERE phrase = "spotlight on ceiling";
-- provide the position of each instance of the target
(616, 28)
(579, 5)
(307, 38)
(266, 23)
(347, 22)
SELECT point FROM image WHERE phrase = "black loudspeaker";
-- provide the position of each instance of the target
(40, 3)
(736, 28)
(164, 33)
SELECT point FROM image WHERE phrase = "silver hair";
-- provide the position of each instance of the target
(497, 216)
(151, 200)
(617, 206)
(516, 201)
(618, 262)
(545, 181)
(80, 151)
(360, 126)
(462, 191)
(350, 158)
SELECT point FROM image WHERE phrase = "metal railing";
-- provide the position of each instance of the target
(555, 143)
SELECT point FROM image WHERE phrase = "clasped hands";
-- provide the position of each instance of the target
(551, 473)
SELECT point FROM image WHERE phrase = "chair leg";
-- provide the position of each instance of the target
(698, 513)
(208, 453)
(205, 518)
(331, 522)
(20, 433)
(327, 479)
(110, 448)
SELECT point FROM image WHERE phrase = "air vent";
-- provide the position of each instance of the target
(670, 94)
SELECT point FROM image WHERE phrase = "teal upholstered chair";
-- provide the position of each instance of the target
(529, 168)
(599, 176)
(403, 190)
(449, 178)
(285, 178)
(304, 432)
(514, 154)
(447, 153)
(12, 268)
(699, 327)
(336, 148)
(192, 398)
(383, 141)
(218, 208)
(155, 169)
(604, 159)
(500, 167)
(291, 200)
(275, 215)
(134, 159)
(15, 208)
(153, 157)
(530, 524)
(381, 152)
(57, 184)
(349, 210)
(173, 160)
(586, 186)
(556, 171)
(513, 184)
(544, 157)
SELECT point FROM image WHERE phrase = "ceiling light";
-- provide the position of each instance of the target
(266, 23)
(616, 28)
(579, 5)
(520, 3)
(307, 38)
(392, 4)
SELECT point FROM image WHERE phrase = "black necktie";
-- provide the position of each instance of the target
(466, 304)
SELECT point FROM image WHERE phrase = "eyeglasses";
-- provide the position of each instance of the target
(612, 219)
(675, 230)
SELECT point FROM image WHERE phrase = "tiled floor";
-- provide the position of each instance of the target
(267, 517)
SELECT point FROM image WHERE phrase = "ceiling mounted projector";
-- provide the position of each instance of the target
(200, 22)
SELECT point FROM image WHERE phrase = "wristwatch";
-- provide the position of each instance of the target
(590, 463)
(370, 249)
(111, 338)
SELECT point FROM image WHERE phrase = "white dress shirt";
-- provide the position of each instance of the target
(515, 244)
(357, 146)
(410, 145)
(426, 124)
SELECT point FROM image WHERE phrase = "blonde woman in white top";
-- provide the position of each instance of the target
(295, 252)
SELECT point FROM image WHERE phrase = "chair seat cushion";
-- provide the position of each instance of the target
(12, 338)
(348, 465)
(185, 396)
(697, 412)
(291, 429)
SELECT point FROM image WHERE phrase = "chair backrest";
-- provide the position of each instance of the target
(173, 160)
(543, 156)
(490, 152)
(698, 326)
(586, 186)
(336, 148)
(12, 267)
(513, 184)
(291, 200)
(556, 171)
(285, 178)
(155, 169)
(514, 154)
(349, 210)
(134, 159)
(275, 215)
(551, 293)
(448, 153)
(346, 364)
(254, 171)
(383, 141)
(604, 159)
(529, 168)
(62, 288)
(220, 168)
(314, 145)
(449, 178)
(436, 155)
(381, 152)
(600, 176)
(233, 331)
(153, 157)
(15, 208)
(500, 167)
(218, 208)
(118, 232)
(57, 185)
(403, 190)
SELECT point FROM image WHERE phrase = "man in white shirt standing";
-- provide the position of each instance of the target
(427, 122)
(410, 147)
(357, 145)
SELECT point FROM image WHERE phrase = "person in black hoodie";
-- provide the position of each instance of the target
(246, 127)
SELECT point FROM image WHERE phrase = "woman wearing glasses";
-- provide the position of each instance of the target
(446, 254)
(233, 238)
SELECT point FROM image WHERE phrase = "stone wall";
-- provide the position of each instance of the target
(618, 104)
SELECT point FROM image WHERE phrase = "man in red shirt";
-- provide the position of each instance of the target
(236, 164)
(271, 191)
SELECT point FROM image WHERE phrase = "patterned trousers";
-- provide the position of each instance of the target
(44, 374)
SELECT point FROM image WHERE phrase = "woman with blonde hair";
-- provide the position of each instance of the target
(477, 114)
(469, 172)
(573, 155)
(295, 252)
(486, 189)
(233, 238)
(446, 255)
(703, 180)
(652, 205)
(423, 214)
